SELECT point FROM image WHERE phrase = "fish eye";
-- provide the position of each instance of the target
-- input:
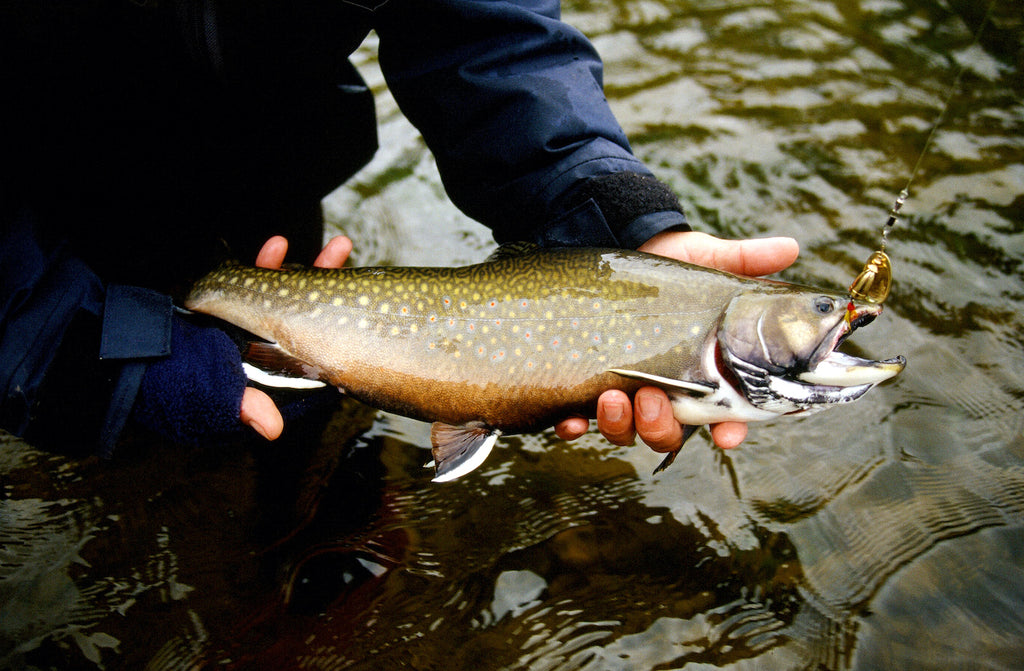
(824, 305)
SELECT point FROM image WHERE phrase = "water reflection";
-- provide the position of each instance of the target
(885, 535)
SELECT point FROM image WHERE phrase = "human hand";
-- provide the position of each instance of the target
(258, 410)
(650, 414)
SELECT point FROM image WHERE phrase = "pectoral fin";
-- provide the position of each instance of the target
(688, 430)
(699, 388)
(460, 449)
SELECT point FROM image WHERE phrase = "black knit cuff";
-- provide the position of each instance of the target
(623, 197)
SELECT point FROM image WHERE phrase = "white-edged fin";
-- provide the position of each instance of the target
(279, 369)
(266, 379)
(702, 388)
(460, 449)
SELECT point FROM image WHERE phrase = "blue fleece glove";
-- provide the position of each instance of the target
(194, 395)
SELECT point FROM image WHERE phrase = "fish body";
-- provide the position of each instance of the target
(533, 335)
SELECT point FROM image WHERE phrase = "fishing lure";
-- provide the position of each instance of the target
(874, 282)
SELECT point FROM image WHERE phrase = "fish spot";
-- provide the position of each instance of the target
(363, 323)
(264, 286)
(282, 292)
(337, 300)
(314, 295)
(492, 303)
(404, 310)
(249, 281)
(316, 313)
(395, 330)
(342, 321)
(414, 327)
(498, 356)
(364, 300)
(384, 308)
(574, 355)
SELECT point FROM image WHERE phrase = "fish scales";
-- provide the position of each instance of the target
(517, 342)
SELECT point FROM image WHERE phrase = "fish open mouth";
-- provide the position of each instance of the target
(831, 377)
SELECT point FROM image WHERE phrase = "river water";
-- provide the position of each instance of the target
(886, 534)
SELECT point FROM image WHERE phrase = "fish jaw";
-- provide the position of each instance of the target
(829, 378)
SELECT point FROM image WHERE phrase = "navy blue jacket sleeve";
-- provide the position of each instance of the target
(510, 101)
(79, 359)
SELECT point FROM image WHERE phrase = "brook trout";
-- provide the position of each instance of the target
(532, 335)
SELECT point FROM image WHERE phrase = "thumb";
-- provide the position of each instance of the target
(259, 412)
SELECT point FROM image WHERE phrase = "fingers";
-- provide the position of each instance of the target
(334, 253)
(757, 256)
(259, 412)
(572, 428)
(615, 417)
(728, 435)
(273, 252)
(655, 422)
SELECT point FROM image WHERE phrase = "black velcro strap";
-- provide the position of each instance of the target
(624, 196)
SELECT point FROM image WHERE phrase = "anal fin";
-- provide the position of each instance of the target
(458, 450)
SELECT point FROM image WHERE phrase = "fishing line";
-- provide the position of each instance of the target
(875, 280)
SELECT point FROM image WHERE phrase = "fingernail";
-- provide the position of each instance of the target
(649, 407)
(258, 429)
(614, 412)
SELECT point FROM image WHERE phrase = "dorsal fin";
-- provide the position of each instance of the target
(511, 250)
(460, 449)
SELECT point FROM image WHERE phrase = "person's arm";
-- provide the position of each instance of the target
(79, 359)
(510, 102)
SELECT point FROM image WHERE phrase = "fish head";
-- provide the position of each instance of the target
(781, 349)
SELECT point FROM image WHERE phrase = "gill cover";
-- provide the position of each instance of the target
(781, 332)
